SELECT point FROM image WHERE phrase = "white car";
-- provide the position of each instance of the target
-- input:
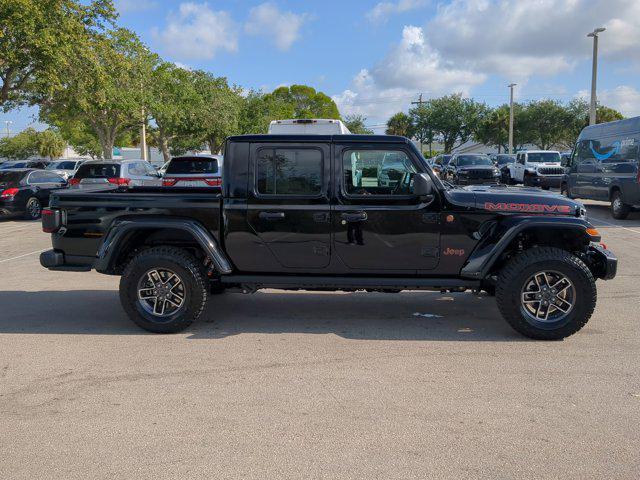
(308, 126)
(540, 168)
(65, 168)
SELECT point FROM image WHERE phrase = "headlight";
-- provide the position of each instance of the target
(496, 172)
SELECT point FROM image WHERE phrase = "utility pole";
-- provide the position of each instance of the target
(143, 138)
(511, 117)
(594, 74)
(420, 102)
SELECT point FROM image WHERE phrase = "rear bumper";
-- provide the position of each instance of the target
(604, 262)
(9, 207)
(57, 260)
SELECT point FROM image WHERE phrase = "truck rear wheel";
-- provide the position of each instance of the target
(546, 293)
(619, 209)
(163, 289)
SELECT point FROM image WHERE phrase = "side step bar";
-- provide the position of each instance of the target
(254, 282)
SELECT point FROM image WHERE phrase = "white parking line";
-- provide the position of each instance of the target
(23, 255)
(617, 226)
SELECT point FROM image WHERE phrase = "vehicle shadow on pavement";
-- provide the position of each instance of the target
(597, 212)
(362, 316)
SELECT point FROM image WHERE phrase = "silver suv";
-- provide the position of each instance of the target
(125, 173)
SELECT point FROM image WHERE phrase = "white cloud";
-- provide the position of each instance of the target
(520, 39)
(197, 32)
(132, 6)
(624, 98)
(381, 12)
(283, 28)
(409, 67)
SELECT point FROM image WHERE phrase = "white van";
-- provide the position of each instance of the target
(311, 126)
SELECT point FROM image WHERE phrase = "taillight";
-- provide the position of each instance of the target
(638, 175)
(213, 182)
(74, 181)
(119, 181)
(169, 182)
(9, 193)
(50, 220)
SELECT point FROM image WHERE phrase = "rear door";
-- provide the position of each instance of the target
(288, 205)
(382, 227)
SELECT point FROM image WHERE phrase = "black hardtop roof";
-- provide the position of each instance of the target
(320, 138)
(628, 126)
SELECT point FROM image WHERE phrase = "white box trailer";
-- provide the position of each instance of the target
(311, 126)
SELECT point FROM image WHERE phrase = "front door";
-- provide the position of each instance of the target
(379, 225)
(288, 208)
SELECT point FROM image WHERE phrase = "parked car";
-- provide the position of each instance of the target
(13, 164)
(440, 162)
(64, 168)
(308, 126)
(293, 215)
(502, 162)
(540, 168)
(604, 166)
(194, 171)
(471, 169)
(123, 173)
(25, 191)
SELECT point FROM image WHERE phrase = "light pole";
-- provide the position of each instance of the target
(511, 117)
(594, 74)
(6, 126)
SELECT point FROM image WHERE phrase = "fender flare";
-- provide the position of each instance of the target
(108, 249)
(495, 243)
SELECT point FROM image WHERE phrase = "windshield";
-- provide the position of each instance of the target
(503, 159)
(542, 157)
(10, 177)
(62, 165)
(466, 160)
(192, 165)
(98, 170)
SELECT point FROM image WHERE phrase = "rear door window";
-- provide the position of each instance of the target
(100, 170)
(192, 165)
(289, 171)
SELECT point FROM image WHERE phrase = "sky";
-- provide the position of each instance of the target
(375, 58)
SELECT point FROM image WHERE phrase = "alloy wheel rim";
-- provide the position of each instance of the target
(33, 208)
(548, 297)
(617, 204)
(161, 292)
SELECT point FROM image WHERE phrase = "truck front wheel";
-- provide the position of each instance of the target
(163, 289)
(546, 293)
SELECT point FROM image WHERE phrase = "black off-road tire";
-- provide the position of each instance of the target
(520, 268)
(186, 267)
(619, 209)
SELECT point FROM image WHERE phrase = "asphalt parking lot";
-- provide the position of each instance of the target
(310, 385)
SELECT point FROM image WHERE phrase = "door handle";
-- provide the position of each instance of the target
(271, 215)
(354, 216)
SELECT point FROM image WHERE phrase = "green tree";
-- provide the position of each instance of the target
(356, 125)
(546, 123)
(578, 110)
(453, 119)
(38, 41)
(51, 144)
(106, 87)
(20, 146)
(422, 125)
(303, 101)
(400, 124)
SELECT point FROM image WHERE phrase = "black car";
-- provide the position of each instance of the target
(502, 161)
(24, 192)
(471, 169)
(310, 212)
(14, 164)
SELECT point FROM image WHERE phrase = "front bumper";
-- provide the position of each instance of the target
(58, 261)
(546, 180)
(603, 262)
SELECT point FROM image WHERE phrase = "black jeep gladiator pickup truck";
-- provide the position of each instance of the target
(301, 212)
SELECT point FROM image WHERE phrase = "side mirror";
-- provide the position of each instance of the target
(423, 186)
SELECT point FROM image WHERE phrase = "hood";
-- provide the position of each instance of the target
(499, 198)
